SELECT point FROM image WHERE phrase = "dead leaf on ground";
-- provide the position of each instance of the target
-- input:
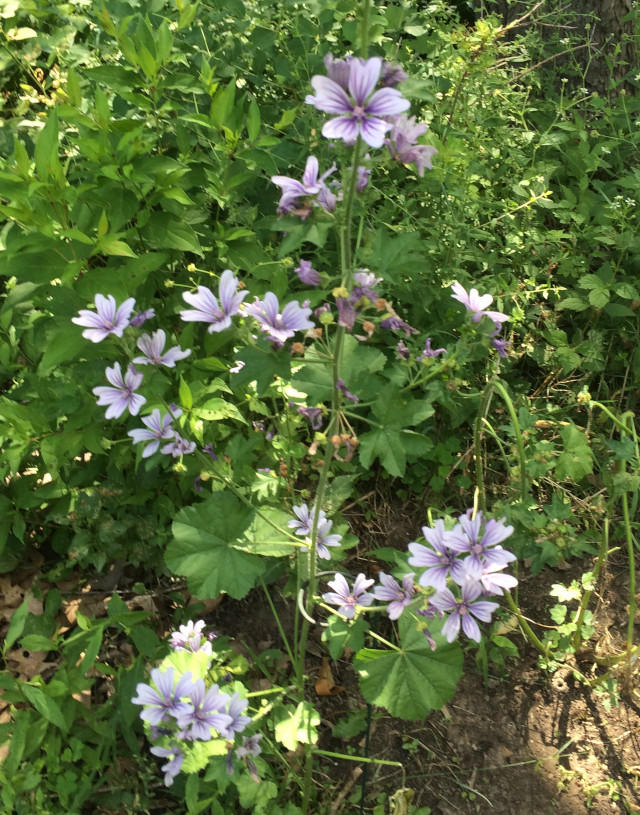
(27, 664)
(325, 685)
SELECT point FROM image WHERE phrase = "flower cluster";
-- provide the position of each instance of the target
(180, 709)
(361, 95)
(470, 560)
(461, 568)
(302, 525)
(122, 395)
(299, 197)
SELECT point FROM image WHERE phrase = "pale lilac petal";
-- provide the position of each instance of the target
(373, 131)
(311, 169)
(451, 628)
(330, 97)
(387, 102)
(344, 128)
(470, 627)
(363, 76)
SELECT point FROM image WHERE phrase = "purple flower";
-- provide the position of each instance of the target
(309, 188)
(208, 449)
(501, 346)
(250, 746)
(346, 599)
(164, 702)
(236, 707)
(279, 326)
(152, 346)
(107, 319)
(172, 767)
(159, 427)
(189, 637)
(494, 582)
(403, 146)
(360, 110)
(392, 75)
(339, 70)
(463, 610)
(439, 558)
(328, 199)
(367, 280)
(204, 714)
(482, 543)
(308, 275)
(393, 593)
(303, 525)
(347, 393)
(346, 313)
(429, 352)
(122, 395)
(314, 415)
(178, 447)
(207, 309)
(402, 351)
(394, 323)
(429, 613)
(362, 180)
(325, 540)
(477, 304)
(141, 317)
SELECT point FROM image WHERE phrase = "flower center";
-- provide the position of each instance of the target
(358, 112)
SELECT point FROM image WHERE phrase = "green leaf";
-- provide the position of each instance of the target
(342, 633)
(186, 397)
(253, 120)
(16, 626)
(46, 151)
(410, 682)
(627, 291)
(45, 706)
(599, 297)
(36, 642)
(262, 367)
(386, 444)
(573, 303)
(296, 726)
(197, 757)
(577, 459)
(110, 245)
(222, 104)
(216, 409)
(165, 231)
(204, 548)
(263, 539)
(287, 118)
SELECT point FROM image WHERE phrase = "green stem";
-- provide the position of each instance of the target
(603, 550)
(364, 29)
(524, 625)
(524, 487)
(346, 258)
(359, 759)
(277, 619)
(477, 444)
(632, 580)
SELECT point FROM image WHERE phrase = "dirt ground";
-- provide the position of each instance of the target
(525, 742)
(528, 742)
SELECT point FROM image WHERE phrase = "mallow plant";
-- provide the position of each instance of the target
(338, 379)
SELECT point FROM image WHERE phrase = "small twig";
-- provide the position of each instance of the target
(520, 20)
(548, 59)
(335, 806)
